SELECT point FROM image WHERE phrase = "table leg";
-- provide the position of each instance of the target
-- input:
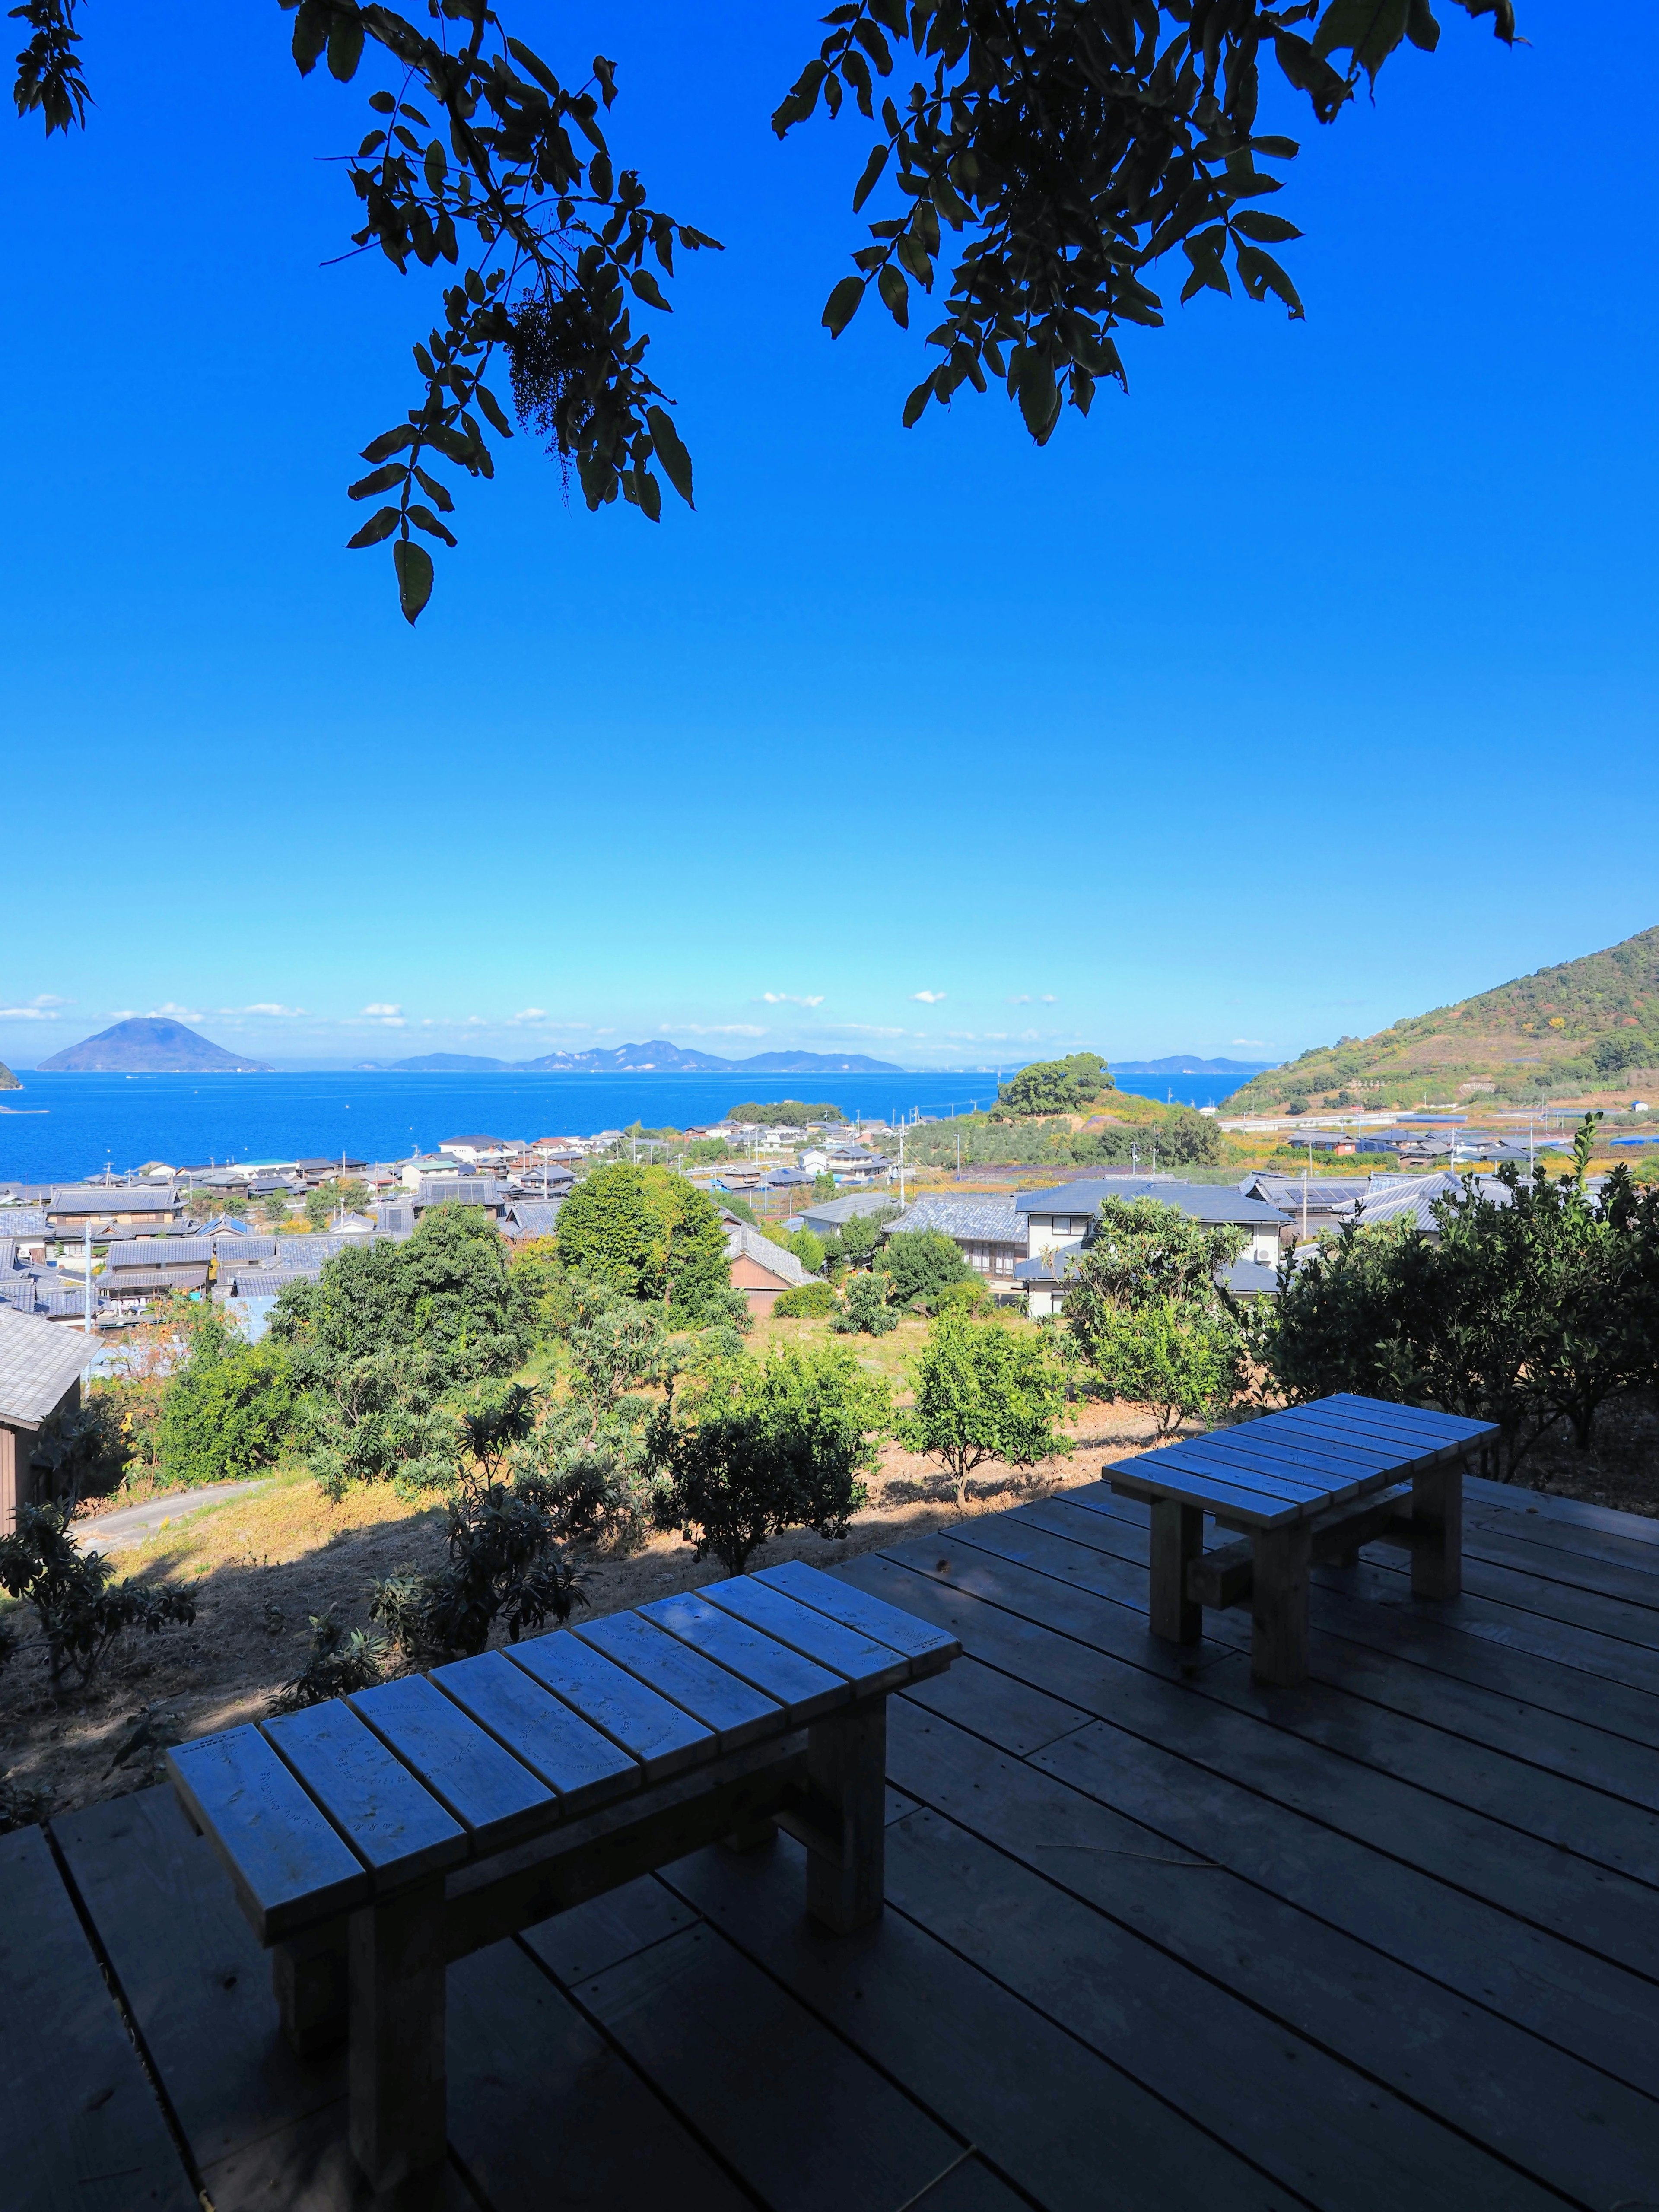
(1437, 1532)
(1177, 1541)
(398, 2116)
(1279, 1603)
(310, 1975)
(847, 1774)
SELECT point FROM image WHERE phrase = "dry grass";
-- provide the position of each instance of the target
(259, 1567)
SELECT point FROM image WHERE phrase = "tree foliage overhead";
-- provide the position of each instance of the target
(1065, 147)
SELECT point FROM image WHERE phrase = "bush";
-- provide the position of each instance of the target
(920, 1264)
(649, 1234)
(971, 1295)
(339, 1661)
(504, 1563)
(806, 1302)
(84, 1450)
(228, 1412)
(760, 1448)
(80, 1615)
(1143, 1309)
(1186, 1363)
(982, 1392)
(864, 1310)
(1056, 1086)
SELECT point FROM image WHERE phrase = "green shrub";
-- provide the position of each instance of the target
(339, 1661)
(1187, 1363)
(806, 1302)
(80, 1614)
(864, 1310)
(983, 1392)
(228, 1412)
(1056, 1086)
(651, 1234)
(504, 1563)
(921, 1263)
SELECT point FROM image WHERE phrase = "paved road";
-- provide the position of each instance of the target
(131, 1525)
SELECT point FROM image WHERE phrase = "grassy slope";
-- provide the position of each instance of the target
(1539, 1026)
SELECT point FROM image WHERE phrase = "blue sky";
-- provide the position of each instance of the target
(1311, 684)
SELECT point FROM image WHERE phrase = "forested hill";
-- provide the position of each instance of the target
(1587, 1024)
(8, 1080)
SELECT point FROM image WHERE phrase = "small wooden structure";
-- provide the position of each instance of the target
(376, 1840)
(1310, 1485)
(41, 1364)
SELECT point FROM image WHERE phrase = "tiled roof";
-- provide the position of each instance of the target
(457, 1190)
(268, 1282)
(1249, 1278)
(744, 1243)
(153, 1252)
(834, 1211)
(979, 1220)
(301, 1251)
(23, 1220)
(112, 1198)
(533, 1217)
(38, 1363)
(1201, 1201)
(127, 1279)
(243, 1251)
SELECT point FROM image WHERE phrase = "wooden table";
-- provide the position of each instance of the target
(1307, 1486)
(374, 1839)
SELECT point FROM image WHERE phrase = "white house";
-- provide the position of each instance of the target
(1060, 1218)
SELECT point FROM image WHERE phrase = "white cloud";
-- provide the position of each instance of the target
(475, 1022)
(532, 1014)
(46, 999)
(963, 1036)
(168, 1012)
(1049, 1000)
(928, 998)
(1261, 1043)
(869, 1029)
(790, 998)
(1023, 1000)
(276, 1012)
(381, 1009)
(34, 1012)
(707, 1028)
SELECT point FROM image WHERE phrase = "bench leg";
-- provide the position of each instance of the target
(1279, 1604)
(847, 1774)
(1437, 1533)
(398, 2117)
(310, 1974)
(1177, 1541)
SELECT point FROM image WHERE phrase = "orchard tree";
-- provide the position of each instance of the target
(983, 1391)
(1048, 155)
(652, 1235)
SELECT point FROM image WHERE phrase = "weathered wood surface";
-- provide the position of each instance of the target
(1156, 1937)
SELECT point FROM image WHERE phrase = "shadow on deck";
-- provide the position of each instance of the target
(1155, 1938)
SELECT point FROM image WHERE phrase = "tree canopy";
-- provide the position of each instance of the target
(649, 1234)
(1056, 1086)
(1065, 147)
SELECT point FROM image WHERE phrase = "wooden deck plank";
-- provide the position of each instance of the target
(81, 2129)
(1344, 2143)
(1561, 1547)
(1609, 1619)
(396, 1826)
(737, 1713)
(577, 1944)
(665, 1740)
(996, 2070)
(882, 1623)
(1002, 1708)
(1571, 1512)
(804, 1689)
(545, 2113)
(1605, 1830)
(583, 1767)
(808, 2124)
(874, 1666)
(990, 1607)
(1567, 2124)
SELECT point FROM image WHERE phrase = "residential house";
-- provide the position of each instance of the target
(1060, 1219)
(531, 1217)
(139, 1268)
(41, 1371)
(1329, 1200)
(762, 1270)
(72, 1207)
(829, 1216)
(460, 1190)
(476, 1150)
(25, 1227)
(990, 1234)
(854, 1164)
(393, 1219)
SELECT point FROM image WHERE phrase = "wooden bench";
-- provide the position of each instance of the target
(1307, 1488)
(375, 1839)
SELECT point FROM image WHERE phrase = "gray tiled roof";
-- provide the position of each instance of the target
(38, 1363)
(834, 1212)
(303, 1251)
(742, 1241)
(114, 1198)
(242, 1251)
(1201, 1201)
(457, 1190)
(128, 1279)
(969, 1220)
(395, 1218)
(1249, 1278)
(533, 1217)
(269, 1282)
(23, 1220)
(152, 1252)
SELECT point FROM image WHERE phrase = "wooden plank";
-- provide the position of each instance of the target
(1323, 1457)
(575, 1946)
(395, 1826)
(1570, 1512)
(584, 1768)
(1409, 1447)
(883, 1624)
(859, 1660)
(1246, 1509)
(1559, 2121)
(1335, 1478)
(1317, 2126)
(737, 1714)
(1000, 1707)
(1177, 1541)
(290, 1868)
(663, 1740)
(1259, 1472)
(1614, 1635)
(1459, 1427)
(805, 2123)
(1065, 1640)
(79, 2124)
(1496, 1540)
(1281, 1561)
(993, 2068)
(398, 2115)
(495, 1798)
(544, 2110)
(799, 1685)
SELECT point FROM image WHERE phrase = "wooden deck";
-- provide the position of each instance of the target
(1155, 1938)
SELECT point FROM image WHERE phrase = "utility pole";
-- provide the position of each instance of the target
(1306, 1169)
(900, 1164)
(86, 1292)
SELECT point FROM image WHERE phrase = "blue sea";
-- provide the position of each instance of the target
(59, 1128)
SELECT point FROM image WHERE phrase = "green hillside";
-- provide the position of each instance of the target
(1587, 1024)
(8, 1080)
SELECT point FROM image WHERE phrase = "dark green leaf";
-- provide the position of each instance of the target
(895, 296)
(345, 47)
(414, 566)
(311, 28)
(425, 519)
(645, 287)
(492, 408)
(670, 452)
(914, 405)
(650, 494)
(599, 175)
(866, 183)
(390, 442)
(382, 480)
(377, 527)
(1421, 28)
(1265, 229)
(842, 305)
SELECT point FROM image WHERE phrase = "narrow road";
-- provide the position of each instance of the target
(131, 1525)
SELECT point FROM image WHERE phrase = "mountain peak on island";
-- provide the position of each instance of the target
(659, 1057)
(149, 1045)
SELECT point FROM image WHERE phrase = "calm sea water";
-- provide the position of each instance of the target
(61, 1126)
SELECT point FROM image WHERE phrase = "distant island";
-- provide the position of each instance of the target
(1190, 1065)
(1586, 1026)
(657, 1058)
(8, 1080)
(150, 1046)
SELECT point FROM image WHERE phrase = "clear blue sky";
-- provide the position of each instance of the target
(1309, 685)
